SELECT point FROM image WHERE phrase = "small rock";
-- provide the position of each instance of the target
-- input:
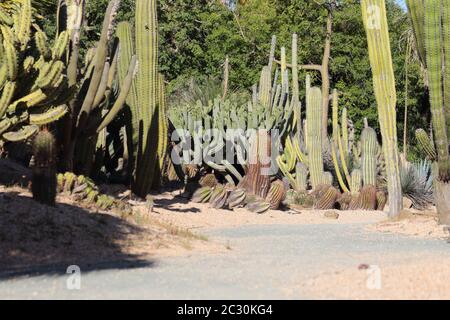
(363, 266)
(331, 215)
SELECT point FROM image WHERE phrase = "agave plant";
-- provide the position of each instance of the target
(417, 183)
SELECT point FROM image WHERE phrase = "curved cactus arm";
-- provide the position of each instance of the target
(118, 104)
(337, 140)
(100, 58)
(22, 134)
(286, 173)
(303, 158)
(337, 169)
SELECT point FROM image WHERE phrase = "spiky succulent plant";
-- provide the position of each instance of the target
(417, 183)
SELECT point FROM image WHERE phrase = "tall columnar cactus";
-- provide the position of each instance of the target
(146, 102)
(43, 185)
(93, 106)
(375, 22)
(369, 148)
(314, 135)
(431, 22)
(33, 88)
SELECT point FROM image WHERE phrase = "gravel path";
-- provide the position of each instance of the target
(264, 262)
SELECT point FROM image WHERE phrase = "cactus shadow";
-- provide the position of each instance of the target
(171, 204)
(40, 240)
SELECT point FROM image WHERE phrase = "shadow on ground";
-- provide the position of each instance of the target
(169, 204)
(36, 239)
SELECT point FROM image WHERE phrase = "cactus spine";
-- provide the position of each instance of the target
(375, 22)
(43, 184)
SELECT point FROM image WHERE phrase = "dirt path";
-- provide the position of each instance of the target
(270, 261)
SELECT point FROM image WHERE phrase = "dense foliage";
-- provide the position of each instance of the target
(196, 35)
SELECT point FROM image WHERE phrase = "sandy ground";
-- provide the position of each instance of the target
(177, 210)
(32, 234)
(420, 224)
(193, 216)
(422, 280)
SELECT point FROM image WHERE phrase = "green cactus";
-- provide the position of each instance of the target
(208, 180)
(326, 197)
(426, 144)
(82, 188)
(219, 197)
(368, 198)
(93, 106)
(314, 135)
(375, 22)
(236, 198)
(381, 200)
(344, 201)
(258, 206)
(369, 148)
(202, 195)
(43, 184)
(431, 24)
(33, 87)
(146, 101)
(276, 194)
(356, 181)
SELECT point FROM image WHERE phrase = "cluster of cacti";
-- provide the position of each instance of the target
(270, 109)
(431, 25)
(94, 105)
(221, 196)
(148, 126)
(43, 184)
(33, 86)
(363, 158)
(375, 22)
(82, 188)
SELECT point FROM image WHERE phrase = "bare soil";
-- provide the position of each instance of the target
(32, 234)
(424, 280)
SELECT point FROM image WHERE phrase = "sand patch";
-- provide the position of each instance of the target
(416, 280)
(182, 212)
(413, 223)
(32, 234)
